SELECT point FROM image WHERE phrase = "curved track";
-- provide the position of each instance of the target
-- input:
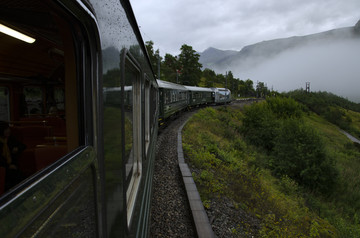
(170, 211)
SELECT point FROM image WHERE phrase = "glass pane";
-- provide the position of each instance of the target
(59, 97)
(61, 204)
(4, 104)
(77, 216)
(130, 77)
(113, 150)
(133, 132)
(34, 100)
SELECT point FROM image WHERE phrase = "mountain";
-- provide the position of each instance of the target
(218, 59)
(329, 60)
(212, 56)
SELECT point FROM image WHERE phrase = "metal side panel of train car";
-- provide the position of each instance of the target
(199, 95)
(173, 98)
(129, 121)
(82, 97)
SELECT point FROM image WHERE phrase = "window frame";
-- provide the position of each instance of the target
(131, 190)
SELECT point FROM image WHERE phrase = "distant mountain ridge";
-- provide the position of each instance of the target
(220, 60)
(213, 56)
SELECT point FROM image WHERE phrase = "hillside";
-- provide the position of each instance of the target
(327, 60)
(212, 56)
(274, 169)
(218, 59)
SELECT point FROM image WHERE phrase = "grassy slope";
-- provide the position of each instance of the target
(226, 166)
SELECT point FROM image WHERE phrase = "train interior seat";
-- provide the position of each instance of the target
(32, 135)
(45, 142)
(48, 154)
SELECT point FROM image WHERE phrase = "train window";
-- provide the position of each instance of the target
(35, 81)
(155, 99)
(33, 97)
(4, 104)
(147, 113)
(44, 92)
(58, 100)
(133, 134)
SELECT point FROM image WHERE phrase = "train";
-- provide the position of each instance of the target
(78, 93)
(175, 98)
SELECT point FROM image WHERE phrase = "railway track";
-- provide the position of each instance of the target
(170, 211)
(171, 214)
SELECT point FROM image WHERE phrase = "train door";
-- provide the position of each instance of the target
(48, 95)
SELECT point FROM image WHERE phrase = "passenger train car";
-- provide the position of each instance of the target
(78, 91)
(200, 96)
(175, 98)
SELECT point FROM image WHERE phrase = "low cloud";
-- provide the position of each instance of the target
(332, 67)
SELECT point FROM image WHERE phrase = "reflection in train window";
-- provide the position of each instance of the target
(44, 92)
(33, 97)
(36, 79)
(59, 99)
(4, 104)
(133, 130)
(147, 113)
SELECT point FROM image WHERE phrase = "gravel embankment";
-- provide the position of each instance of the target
(170, 211)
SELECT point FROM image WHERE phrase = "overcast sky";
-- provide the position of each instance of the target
(233, 24)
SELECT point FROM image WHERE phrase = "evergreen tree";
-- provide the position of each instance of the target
(169, 68)
(190, 66)
(153, 56)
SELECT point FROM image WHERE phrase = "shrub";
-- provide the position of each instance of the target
(284, 107)
(299, 153)
(260, 126)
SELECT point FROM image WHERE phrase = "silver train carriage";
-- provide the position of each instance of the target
(221, 95)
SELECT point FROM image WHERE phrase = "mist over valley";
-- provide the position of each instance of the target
(329, 60)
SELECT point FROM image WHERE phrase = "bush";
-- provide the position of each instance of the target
(260, 126)
(299, 153)
(284, 107)
(296, 149)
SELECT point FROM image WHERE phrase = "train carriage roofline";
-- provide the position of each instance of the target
(169, 85)
(199, 89)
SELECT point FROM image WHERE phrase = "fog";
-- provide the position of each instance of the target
(332, 67)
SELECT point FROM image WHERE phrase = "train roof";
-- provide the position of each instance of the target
(169, 85)
(220, 89)
(199, 89)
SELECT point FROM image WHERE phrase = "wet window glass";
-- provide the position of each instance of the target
(133, 134)
(59, 97)
(130, 77)
(33, 100)
(4, 104)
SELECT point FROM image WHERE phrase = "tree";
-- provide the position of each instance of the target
(210, 77)
(261, 90)
(153, 56)
(299, 153)
(169, 68)
(190, 66)
(246, 88)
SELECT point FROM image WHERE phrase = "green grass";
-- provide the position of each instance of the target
(227, 166)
